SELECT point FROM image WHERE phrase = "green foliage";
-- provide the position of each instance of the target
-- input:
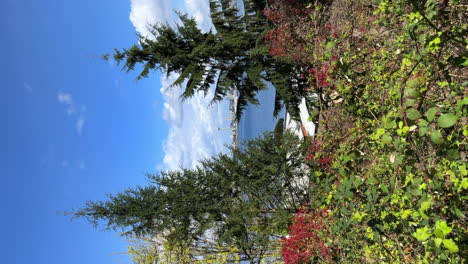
(278, 131)
(436, 137)
(447, 120)
(393, 117)
(413, 114)
(143, 251)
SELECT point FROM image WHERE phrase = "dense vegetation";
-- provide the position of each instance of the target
(390, 154)
(384, 180)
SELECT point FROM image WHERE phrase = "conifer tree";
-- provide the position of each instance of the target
(232, 54)
(242, 199)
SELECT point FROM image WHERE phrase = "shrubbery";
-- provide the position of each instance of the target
(389, 159)
(306, 239)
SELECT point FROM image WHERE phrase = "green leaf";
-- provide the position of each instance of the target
(450, 245)
(413, 114)
(399, 159)
(463, 184)
(406, 213)
(464, 101)
(422, 234)
(447, 120)
(330, 44)
(371, 180)
(425, 206)
(434, 44)
(462, 169)
(453, 154)
(414, 82)
(441, 229)
(390, 124)
(423, 130)
(430, 114)
(461, 61)
(465, 63)
(411, 92)
(386, 139)
(384, 188)
(410, 102)
(438, 241)
(422, 127)
(358, 216)
(436, 137)
(422, 122)
(459, 213)
(416, 192)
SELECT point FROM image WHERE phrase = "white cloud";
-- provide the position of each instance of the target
(77, 164)
(73, 109)
(193, 124)
(79, 124)
(147, 12)
(200, 10)
(65, 98)
(193, 127)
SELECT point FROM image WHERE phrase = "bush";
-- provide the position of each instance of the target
(305, 241)
(389, 84)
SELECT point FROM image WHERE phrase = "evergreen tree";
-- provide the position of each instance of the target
(237, 201)
(230, 55)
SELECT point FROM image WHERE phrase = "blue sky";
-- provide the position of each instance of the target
(75, 127)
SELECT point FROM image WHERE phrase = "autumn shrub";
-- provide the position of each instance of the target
(291, 24)
(306, 241)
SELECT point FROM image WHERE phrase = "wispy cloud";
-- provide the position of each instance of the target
(73, 109)
(77, 164)
(80, 164)
(65, 98)
(27, 87)
(79, 125)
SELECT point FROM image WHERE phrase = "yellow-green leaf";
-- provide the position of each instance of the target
(441, 229)
(450, 245)
(438, 241)
(422, 234)
(406, 213)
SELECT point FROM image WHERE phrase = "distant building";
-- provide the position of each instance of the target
(304, 128)
(233, 97)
